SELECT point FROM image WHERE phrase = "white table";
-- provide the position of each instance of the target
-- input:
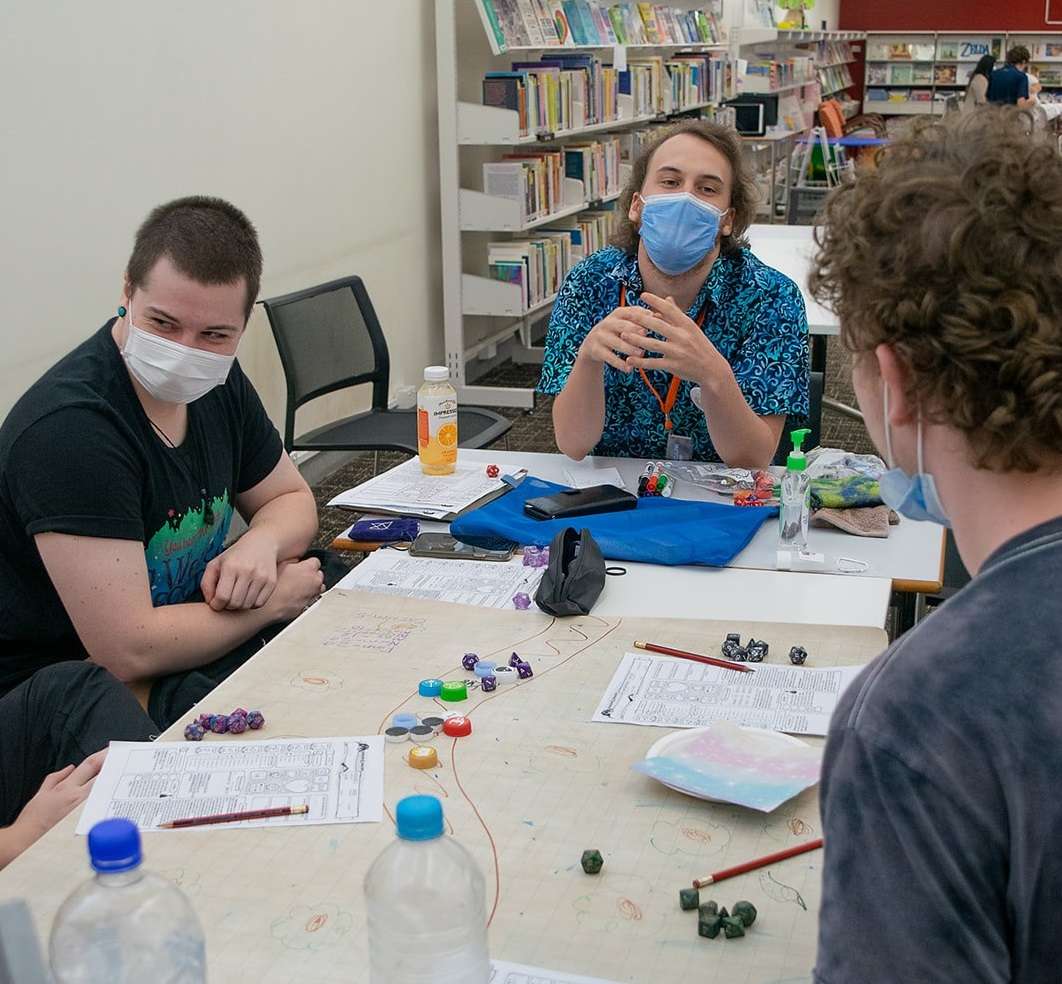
(911, 558)
(789, 249)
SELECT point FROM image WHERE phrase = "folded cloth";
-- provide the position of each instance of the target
(845, 493)
(658, 531)
(861, 521)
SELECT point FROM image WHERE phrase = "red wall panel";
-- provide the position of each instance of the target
(950, 15)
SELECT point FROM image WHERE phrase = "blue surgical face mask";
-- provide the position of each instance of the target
(914, 496)
(678, 230)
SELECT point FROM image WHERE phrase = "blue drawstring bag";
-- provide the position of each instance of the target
(659, 531)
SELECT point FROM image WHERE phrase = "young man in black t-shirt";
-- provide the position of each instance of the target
(940, 790)
(120, 470)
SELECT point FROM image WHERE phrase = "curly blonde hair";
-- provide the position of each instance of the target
(951, 253)
(743, 194)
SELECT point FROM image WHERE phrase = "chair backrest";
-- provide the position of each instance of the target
(832, 118)
(329, 338)
(813, 423)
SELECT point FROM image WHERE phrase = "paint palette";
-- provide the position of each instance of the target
(727, 763)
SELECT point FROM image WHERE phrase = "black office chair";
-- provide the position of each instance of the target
(329, 338)
(816, 384)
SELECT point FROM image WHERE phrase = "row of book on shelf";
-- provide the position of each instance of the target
(903, 95)
(558, 23)
(562, 92)
(538, 264)
(922, 73)
(835, 78)
(536, 177)
(778, 72)
(833, 52)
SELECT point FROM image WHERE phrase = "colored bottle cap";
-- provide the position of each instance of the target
(430, 688)
(661, 483)
(454, 690)
(404, 720)
(435, 723)
(423, 757)
(419, 818)
(485, 668)
(422, 732)
(114, 845)
(458, 727)
(396, 734)
(505, 674)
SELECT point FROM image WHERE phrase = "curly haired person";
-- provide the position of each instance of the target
(940, 802)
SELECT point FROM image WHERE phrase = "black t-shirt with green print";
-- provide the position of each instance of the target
(79, 456)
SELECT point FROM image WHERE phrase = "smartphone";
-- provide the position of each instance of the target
(444, 546)
(580, 502)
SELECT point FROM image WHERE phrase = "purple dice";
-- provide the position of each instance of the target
(489, 683)
(194, 732)
(255, 720)
(237, 724)
(515, 661)
(220, 724)
(469, 660)
(523, 671)
(521, 601)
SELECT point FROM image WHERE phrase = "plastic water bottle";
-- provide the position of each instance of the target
(437, 422)
(125, 925)
(426, 904)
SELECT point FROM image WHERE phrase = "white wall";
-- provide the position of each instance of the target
(316, 117)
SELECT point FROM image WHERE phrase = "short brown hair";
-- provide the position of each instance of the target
(206, 238)
(742, 195)
(1018, 55)
(951, 253)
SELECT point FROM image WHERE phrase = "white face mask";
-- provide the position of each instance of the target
(170, 371)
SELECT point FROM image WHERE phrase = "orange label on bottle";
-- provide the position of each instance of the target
(423, 429)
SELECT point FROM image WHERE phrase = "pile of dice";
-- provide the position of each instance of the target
(489, 674)
(235, 723)
(754, 652)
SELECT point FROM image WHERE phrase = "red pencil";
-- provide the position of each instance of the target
(740, 869)
(726, 664)
(273, 811)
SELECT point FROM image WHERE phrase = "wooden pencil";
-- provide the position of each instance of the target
(726, 664)
(273, 811)
(740, 869)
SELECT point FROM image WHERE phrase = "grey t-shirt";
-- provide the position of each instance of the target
(942, 790)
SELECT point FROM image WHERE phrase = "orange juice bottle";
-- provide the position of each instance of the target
(437, 422)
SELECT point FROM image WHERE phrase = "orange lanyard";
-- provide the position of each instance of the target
(667, 403)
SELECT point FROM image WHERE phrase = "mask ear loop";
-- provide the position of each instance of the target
(888, 429)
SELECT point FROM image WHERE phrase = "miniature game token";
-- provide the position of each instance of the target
(689, 898)
(489, 684)
(746, 912)
(798, 655)
(592, 862)
(454, 690)
(422, 732)
(457, 726)
(423, 757)
(429, 688)
(435, 723)
(733, 927)
(493, 471)
(709, 926)
(521, 601)
(396, 735)
(485, 668)
(469, 660)
(505, 675)
(404, 720)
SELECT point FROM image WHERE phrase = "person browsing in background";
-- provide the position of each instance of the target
(121, 468)
(676, 334)
(1010, 84)
(977, 87)
(940, 804)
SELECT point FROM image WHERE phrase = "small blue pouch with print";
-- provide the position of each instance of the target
(658, 531)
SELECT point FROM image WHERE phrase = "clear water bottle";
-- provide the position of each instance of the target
(125, 925)
(426, 905)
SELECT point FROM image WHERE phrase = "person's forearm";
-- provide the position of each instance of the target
(742, 438)
(180, 637)
(13, 841)
(290, 522)
(579, 409)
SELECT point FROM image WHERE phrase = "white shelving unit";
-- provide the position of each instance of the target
(968, 46)
(481, 315)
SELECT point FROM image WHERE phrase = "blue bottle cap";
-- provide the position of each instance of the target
(114, 845)
(404, 720)
(485, 668)
(430, 688)
(419, 818)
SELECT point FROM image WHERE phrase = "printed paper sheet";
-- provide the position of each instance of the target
(340, 779)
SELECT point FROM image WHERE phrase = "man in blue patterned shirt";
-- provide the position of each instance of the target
(677, 329)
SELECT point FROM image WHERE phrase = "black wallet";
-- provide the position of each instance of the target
(580, 502)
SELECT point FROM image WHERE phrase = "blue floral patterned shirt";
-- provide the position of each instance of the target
(755, 318)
